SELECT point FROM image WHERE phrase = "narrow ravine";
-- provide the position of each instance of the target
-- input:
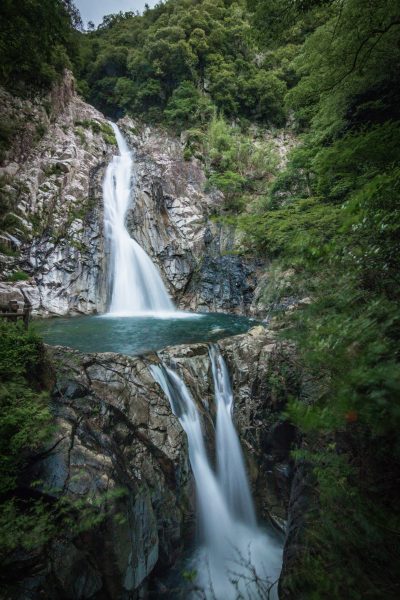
(235, 556)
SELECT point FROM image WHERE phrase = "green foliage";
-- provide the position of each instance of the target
(6, 249)
(331, 220)
(97, 127)
(301, 232)
(18, 276)
(228, 182)
(187, 107)
(25, 417)
(37, 40)
(352, 161)
(29, 523)
(30, 518)
(237, 165)
(352, 351)
(81, 135)
(353, 535)
(176, 61)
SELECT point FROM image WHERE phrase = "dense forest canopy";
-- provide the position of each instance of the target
(38, 40)
(329, 72)
(177, 60)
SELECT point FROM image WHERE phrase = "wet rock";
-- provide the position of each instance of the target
(56, 215)
(115, 429)
(266, 440)
(170, 219)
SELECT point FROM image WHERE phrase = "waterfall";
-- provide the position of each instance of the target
(236, 559)
(136, 285)
(230, 463)
(217, 521)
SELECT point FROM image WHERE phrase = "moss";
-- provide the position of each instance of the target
(18, 276)
(110, 139)
(81, 135)
(40, 131)
(47, 106)
(85, 123)
(5, 249)
(187, 154)
(52, 169)
(13, 223)
(8, 130)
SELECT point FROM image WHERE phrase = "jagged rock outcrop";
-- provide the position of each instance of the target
(52, 189)
(115, 429)
(170, 219)
(252, 359)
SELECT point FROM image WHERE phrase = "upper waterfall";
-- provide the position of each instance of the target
(136, 285)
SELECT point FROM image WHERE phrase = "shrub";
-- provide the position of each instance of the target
(18, 276)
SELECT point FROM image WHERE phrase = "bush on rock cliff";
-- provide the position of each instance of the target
(25, 424)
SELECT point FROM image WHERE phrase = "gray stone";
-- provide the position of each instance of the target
(115, 429)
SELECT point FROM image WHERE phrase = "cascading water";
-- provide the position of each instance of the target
(237, 559)
(230, 463)
(136, 285)
(217, 521)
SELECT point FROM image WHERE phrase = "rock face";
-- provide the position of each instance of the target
(170, 219)
(11, 299)
(54, 228)
(51, 235)
(115, 429)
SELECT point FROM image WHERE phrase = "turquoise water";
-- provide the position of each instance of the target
(140, 334)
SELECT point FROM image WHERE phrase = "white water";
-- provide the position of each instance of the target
(230, 462)
(236, 559)
(137, 287)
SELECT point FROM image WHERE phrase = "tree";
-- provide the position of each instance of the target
(37, 41)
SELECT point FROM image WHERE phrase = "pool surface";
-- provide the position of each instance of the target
(133, 335)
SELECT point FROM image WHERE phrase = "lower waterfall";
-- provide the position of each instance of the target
(230, 463)
(136, 285)
(237, 559)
